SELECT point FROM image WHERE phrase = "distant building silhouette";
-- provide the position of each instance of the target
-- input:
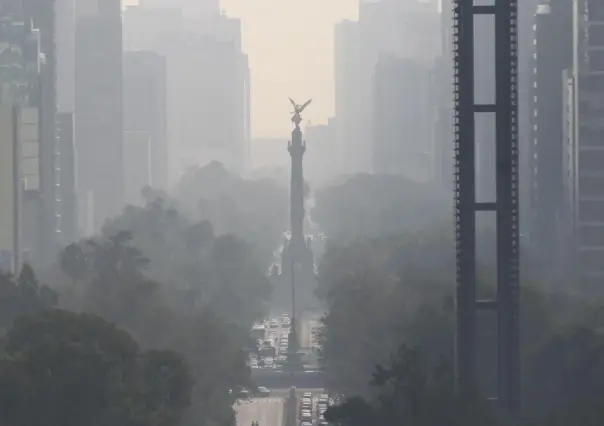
(402, 118)
(145, 108)
(98, 105)
(585, 131)
(551, 56)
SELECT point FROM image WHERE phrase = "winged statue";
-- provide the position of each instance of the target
(296, 117)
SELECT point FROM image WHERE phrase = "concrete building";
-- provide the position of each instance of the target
(551, 56)
(68, 194)
(587, 143)
(347, 97)
(145, 108)
(321, 152)
(20, 97)
(138, 164)
(65, 42)
(209, 8)
(98, 105)
(401, 121)
(208, 83)
(10, 190)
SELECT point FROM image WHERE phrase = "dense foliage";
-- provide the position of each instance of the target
(23, 295)
(375, 205)
(62, 368)
(256, 210)
(391, 292)
(174, 285)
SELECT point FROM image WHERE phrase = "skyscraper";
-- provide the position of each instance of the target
(587, 108)
(552, 54)
(401, 118)
(20, 148)
(347, 97)
(145, 108)
(98, 105)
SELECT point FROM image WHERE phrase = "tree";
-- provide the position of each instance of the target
(412, 392)
(255, 210)
(376, 205)
(23, 296)
(73, 263)
(78, 369)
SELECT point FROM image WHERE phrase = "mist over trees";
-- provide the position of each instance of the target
(366, 205)
(392, 297)
(256, 210)
(168, 298)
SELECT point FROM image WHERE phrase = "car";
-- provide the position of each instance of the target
(240, 392)
(307, 395)
(262, 391)
(306, 400)
(305, 424)
(305, 406)
(306, 417)
(274, 324)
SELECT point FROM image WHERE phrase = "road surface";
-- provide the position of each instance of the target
(265, 411)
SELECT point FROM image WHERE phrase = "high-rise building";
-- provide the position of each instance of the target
(20, 90)
(10, 190)
(401, 118)
(588, 142)
(145, 108)
(209, 8)
(347, 97)
(551, 56)
(138, 161)
(42, 14)
(321, 152)
(207, 83)
(98, 105)
(65, 42)
(68, 194)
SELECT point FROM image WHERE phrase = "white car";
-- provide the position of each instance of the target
(306, 416)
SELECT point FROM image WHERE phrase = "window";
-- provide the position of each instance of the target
(595, 34)
(591, 136)
(596, 60)
(592, 83)
(591, 186)
(596, 10)
(591, 260)
(591, 210)
(591, 236)
(591, 160)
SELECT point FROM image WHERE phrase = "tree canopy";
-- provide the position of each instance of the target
(175, 285)
(256, 210)
(376, 205)
(393, 292)
(23, 295)
(78, 369)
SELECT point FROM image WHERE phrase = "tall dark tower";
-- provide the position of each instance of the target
(505, 205)
(297, 263)
(296, 148)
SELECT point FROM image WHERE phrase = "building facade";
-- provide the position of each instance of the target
(145, 108)
(401, 121)
(551, 56)
(588, 143)
(98, 105)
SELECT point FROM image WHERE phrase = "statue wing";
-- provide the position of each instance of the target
(305, 104)
(293, 103)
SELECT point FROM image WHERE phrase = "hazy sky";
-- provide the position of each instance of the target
(290, 48)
